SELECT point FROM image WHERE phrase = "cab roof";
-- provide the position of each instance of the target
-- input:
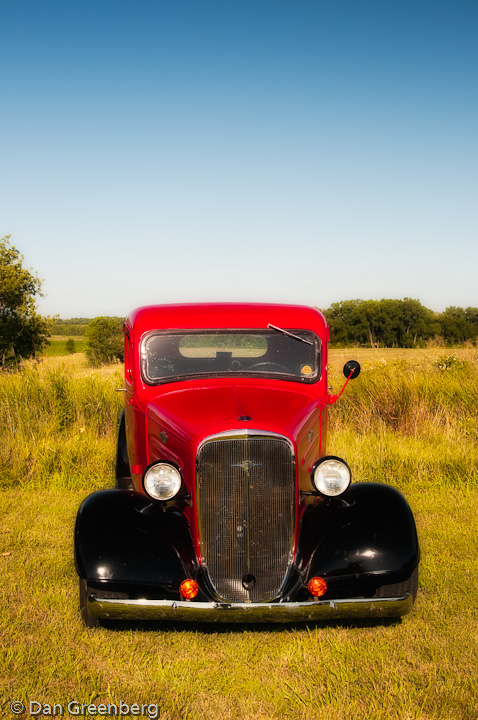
(192, 316)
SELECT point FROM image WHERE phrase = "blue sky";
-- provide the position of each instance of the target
(277, 150)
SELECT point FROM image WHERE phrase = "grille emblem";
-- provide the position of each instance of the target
(246, 465)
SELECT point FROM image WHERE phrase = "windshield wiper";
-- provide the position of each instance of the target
(286, 332)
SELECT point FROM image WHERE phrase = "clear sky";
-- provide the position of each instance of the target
(304, 151)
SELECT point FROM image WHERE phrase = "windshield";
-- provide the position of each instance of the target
(174, 356)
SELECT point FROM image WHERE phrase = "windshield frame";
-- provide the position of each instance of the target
(231, 374)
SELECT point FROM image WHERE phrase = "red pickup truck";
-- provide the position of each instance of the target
(227, 506)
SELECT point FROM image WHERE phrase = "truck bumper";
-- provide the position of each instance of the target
(190, 611)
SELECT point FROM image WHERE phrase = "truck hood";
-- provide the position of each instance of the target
(207, 409)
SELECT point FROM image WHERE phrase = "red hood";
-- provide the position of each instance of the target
(207, 409)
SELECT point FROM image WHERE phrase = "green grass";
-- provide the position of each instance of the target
(423, 667)
(57, 346)
(410, 424)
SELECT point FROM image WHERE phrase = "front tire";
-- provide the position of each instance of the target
(89, 620)
(124, 481)
(409, 586)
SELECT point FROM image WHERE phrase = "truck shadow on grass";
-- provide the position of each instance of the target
(238, 628)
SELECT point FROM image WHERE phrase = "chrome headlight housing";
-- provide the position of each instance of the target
(162, 481)
(331, 476)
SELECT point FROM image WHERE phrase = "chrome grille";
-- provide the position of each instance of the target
(246, 514)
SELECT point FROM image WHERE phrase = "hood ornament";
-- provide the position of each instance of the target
(246, 465)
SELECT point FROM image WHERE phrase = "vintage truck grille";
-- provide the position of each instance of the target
(246, 514)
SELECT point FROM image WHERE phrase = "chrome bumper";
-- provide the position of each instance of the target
(182, 610)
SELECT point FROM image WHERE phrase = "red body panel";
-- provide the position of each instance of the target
(168, 421)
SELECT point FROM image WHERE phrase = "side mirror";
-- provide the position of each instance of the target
(351, 369)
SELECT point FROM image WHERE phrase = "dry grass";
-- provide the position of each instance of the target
(370, 357)
(406, 420)
(422, 668)
(58, 422)
(409, 419)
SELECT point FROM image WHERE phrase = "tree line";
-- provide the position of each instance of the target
(73, 326)
(373, 323)
(399, 323)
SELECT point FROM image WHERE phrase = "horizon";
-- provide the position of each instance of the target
(322, 310)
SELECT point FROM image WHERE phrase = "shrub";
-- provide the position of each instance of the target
(449, 362)
(104, 341)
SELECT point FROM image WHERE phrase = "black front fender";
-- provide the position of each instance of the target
(125, 539)
(369, 531)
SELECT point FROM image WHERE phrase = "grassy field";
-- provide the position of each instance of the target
(410, 419)
(57, 346)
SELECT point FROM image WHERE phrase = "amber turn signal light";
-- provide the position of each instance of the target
(189, 589)
(317, 586)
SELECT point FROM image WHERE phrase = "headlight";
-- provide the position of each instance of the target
(162, 481)
(331, 476)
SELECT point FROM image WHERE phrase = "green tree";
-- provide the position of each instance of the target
(471, 315)
(384, 323)
(348, 322)
(456, 326)
(104, 340)
(70, 346)
(418, 323)
(23, 332)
